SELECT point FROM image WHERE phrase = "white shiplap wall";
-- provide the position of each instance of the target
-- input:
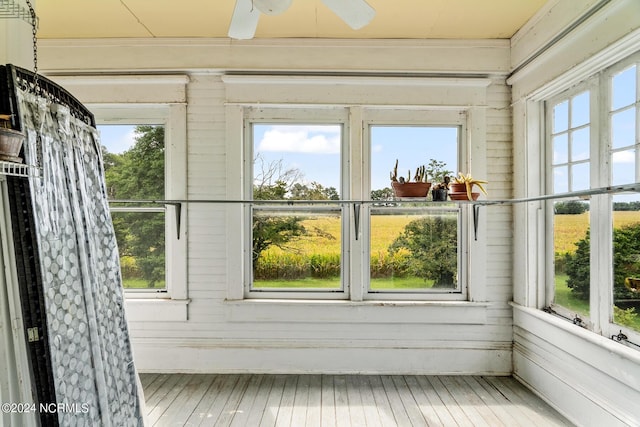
(220, 335)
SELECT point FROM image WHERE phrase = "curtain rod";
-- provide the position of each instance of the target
(615, 189)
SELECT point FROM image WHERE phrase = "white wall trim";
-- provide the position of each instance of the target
(320, 357)
(156, 310)
(330, 90)
(138, 89)
(572, 337)
(608, 36)
(325, 311)
(598, 379)
(167, 55)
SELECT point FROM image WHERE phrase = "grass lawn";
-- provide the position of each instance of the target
(129, 283)
(565, 298)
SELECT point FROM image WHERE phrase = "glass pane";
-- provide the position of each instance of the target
(623, 128)
(560, 149)
(436, 148)
(580, 177)
(134, 161)
(571, 255)
(580, 110)
(409, 250)
(560, 179)
(141, 243)
(561, 117)
(624, 88)
(299, 162)
(626, 260)
(296, 250)
(623, 168)
(414, 252)
(580, 144)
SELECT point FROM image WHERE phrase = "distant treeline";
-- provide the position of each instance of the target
(626, 206)
(574, 207)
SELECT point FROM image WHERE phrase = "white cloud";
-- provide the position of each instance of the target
(302, 139)
(117, 141)
(377, 148)
(624, 157)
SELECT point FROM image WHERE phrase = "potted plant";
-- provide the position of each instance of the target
(462, 187)
(437, 172)
(404, 187)
(10, 141)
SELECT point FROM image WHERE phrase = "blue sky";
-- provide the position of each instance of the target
(315, 150)
(571, 143)
(117, 138)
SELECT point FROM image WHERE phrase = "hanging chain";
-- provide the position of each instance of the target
(34, 32)
(36, 85)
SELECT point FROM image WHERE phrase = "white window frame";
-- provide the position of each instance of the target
(601, 209)
(292, 116)
(355, 163)
(174, 261)
(609, 328)
(594, 181)
(359, 94)
(150, 98)
(414, 117)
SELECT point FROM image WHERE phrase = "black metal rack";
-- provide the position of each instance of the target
(30, 280)
(14, 78)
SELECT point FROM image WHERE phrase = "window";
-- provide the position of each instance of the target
(596, 241)
(297, 247)
(412, 248)
(353, 240)
(569, 133)
(624, 116)
(142, 152)
(134, 162)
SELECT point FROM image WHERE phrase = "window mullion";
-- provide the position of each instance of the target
(356, 179)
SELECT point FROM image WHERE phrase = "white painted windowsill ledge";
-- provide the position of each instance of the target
(156, 310)
(331, 311)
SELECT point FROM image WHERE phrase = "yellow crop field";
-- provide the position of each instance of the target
(384, 229)
(325, 232)
(569, 229)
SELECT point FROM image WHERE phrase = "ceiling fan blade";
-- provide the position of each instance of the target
(356, 13)
(244, 20)
(272, 7)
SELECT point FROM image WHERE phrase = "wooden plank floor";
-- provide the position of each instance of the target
(342, 400)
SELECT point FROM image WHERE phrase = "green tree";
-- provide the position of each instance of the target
(382, 194)
(432, 244)
(571, 207)
(313, 191)
(578, 267)
(626, 259)
(274, 231)
(626, 263)
(274, 182)
(138, 174)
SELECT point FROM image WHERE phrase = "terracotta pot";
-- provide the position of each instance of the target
(457, 188)
(411, 189)
(463, 196)
(10, 145)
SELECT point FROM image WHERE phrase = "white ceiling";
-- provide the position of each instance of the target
(418, 19)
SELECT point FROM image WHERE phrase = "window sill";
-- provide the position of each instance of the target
(564, 334)
(154, 310)
(327, 311)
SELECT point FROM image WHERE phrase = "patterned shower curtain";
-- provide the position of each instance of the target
(94, 376)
